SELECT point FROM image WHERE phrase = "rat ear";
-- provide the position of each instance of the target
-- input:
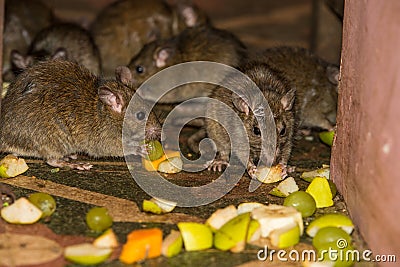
(60, 54)
(189, 15)
(124, 75)
(287, 100)
(332, 72)
(111, 99)
(19, 61)
(240, 104)
(161, 56)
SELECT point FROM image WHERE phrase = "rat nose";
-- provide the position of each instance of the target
(153, 132)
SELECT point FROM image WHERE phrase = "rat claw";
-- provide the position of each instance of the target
(216, 165)
(58, 163)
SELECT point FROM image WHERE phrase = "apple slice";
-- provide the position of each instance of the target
(310, 175)
(270, 175)
(232, 235)
(196, 236)
(11, 166)
(285, 187)
(22, 211)
(248, 207)
(274, 217)
(86, 254)
(286, 236)
(332, 219)
(254, 232)
(327, 137)
(172, 244)
(221, 216)
(107, 240)
(158, 205)
(320, 190)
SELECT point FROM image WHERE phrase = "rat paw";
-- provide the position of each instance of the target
(217, 165)
(62, 164)
(252, 170)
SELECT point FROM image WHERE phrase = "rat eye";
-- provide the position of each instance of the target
(256, 131)
(139, 69)
(140, 115)
(282, 132)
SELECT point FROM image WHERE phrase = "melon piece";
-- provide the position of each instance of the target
(196, 236)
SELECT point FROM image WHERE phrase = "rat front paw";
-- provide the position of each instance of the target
(62, 164)
(252, 170)
(217, 165)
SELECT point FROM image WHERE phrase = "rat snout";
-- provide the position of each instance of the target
(153, 132)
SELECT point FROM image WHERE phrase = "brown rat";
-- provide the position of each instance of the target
(65, 41)
(202, 43)
(23, 19)
(315, 80)
(58, 108)
(124, 27)
(281, 100)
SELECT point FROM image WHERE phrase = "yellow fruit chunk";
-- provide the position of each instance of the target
(254, 232)
(172, 244)
(22, 211)
(320, 190)
(107, 240)
(86, 254)
(141, 244)
(232, 235)
(286, 236)
(332, 219)
(152, 166)
(11, 166)
(285, 187)
(327, 137)
(221, 216)
(196, 236)
(269, 175)
(158, 205)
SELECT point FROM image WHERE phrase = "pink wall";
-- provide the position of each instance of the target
(366, 152)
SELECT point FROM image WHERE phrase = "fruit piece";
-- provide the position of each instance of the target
(11, 166)
(196, 236)
(309, 176)
(233, 233)
(286, 236)
(171, 165)
(158, 205)
(320, 190)
(248, 207)
(301, 201)
(221, 216)
(154, 150)
(341, 256)
(141, 244)
(22, 211)
(328, 235)
(327, 137)
(152, 166)
(98, 219)
(274, 217)
(254, 232)
(269, 175)
(285, 187)
(332, 185)
(107, 240)
(86, 254)
(332, 219)
(172, 244)
(44, 202)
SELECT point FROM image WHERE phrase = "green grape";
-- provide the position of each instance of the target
(98, 219)
(154, 150)
(328, 235)
(342, 256)
(44, 202)
(302, 201)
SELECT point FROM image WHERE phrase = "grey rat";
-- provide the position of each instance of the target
(65, 41)
(122, 28)
(58, 108)
(23, 19)
(202, 43)
(316, 83)
(281, 99)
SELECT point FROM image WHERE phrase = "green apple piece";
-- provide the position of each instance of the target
(233, 233)
(158, 205)
(154, 150)
(320, 190)
(310, 175)
(301, 201)
(107, 240)
(340, 256)
(221, 216)
(332, 219)
(86, 254)
(248, 207)
(196, 236)
(150, 206)
(328, 235)
(11, 166)
(269, 175)
(172, 244)
(332, 185)
(22, 211)
(284, 188)
(254, 232)
(171, 165)
(286, 236)
(327, 137)
(274, 217)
